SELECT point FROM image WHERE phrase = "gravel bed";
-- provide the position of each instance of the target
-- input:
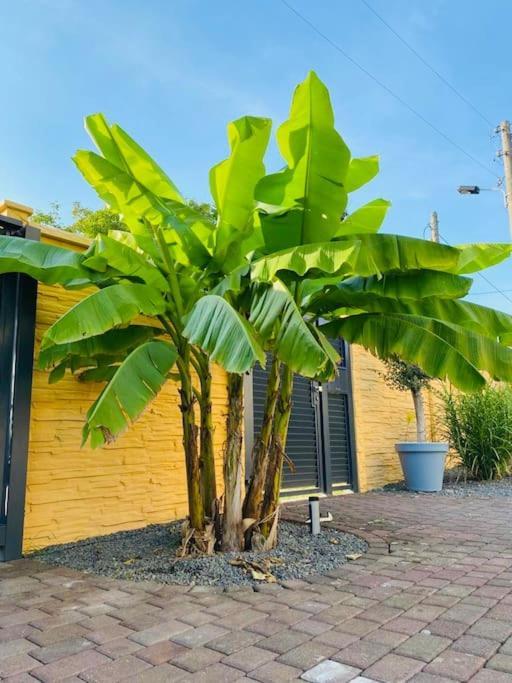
(150, 554)
(470, 488)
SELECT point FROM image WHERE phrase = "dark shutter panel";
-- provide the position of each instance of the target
(302, 447)
(339, 439)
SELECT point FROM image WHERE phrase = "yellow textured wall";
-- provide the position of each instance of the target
(382, 417)
(74, 493)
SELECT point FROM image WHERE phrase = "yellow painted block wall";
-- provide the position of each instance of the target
(75, 492)
(382, 417)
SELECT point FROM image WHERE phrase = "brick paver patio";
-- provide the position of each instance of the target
(430, 602)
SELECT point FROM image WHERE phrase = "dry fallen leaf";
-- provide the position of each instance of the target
(353, 556)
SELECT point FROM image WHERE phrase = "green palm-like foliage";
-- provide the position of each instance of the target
(288, 264)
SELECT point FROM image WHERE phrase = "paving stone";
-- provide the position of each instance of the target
(492, 628)
(103, 635)
(250, 658)
(385, 637)
(16, 665)
(336, 638)
(405, 625)
(338, 614)
(265, 627)
(466, 614)
(117, 670)
(200, 635)
(119, 648)
(54, 635)
(162, 652)
(359, 627)
(394, 669)
(423, 646)
(361, 654)
(274, 672)
(307, 655)
(423, 677)
(218, 673)
(501, 662)
(491, 676)
(330, 671)
(381, 613)
(197, 659)
(453, 664)
(448, 629)
(159, 632)
(70, 666)
(18, 646)
(284, 641)
(164, 673)
(17, 632)
(247, 616)
(63, 648)
(473, 645)
(234, 640)
(312, 626)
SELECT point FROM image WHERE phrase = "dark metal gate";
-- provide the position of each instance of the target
(320, 442)
(18, 295)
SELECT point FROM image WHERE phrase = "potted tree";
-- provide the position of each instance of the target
(422, 461)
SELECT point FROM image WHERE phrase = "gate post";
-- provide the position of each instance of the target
(18, 294)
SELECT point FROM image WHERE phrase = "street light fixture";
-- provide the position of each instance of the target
(468, 189)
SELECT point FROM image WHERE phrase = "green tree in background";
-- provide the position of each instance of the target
(92, 222)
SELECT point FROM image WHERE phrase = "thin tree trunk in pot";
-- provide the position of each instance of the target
(419, 409)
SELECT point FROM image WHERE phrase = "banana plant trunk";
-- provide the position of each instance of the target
(261, 450)
(207, 453)
(232, 532)
(277, 452)
(190, 445)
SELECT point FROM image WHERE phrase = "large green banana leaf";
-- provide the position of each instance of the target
(476, 257)
(109, 344)
(120, 149)
(410, 284)
(125, 194)
(485, 321)
(277, 318)
(366, 255)
(106, 252)
(46, 263)
(216, 327)
(360, 171)
(367, 218)
(232, 184)
(104, 310)
(135, 383)
(312, 184)
(442, 350)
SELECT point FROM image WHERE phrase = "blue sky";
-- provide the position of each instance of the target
(174, 72)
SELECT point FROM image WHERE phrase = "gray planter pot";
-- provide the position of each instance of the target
(422, 464)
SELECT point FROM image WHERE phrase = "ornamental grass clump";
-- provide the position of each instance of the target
(479, 427)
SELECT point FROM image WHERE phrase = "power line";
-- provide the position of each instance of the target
(399, 99)
(489, 292)
(428, 65)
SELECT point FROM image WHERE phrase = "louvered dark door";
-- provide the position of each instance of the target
(302, 472)
(319, 441)
(336, 424)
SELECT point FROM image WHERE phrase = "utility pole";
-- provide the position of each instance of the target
(434, 227)
(506, 155)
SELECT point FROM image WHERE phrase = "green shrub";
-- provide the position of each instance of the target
(479, 427)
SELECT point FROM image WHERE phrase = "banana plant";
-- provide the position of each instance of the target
(287, 265)
(393, 295)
